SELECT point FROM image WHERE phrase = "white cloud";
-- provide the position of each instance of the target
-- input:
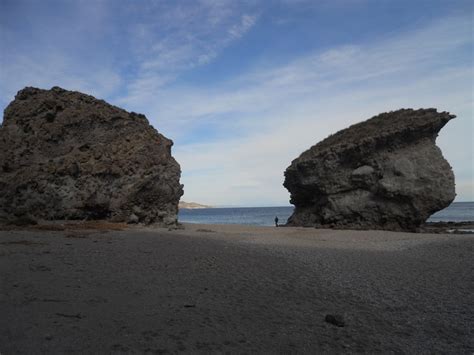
(180, 39)
(94, 52)
(48, 50)
(269, 114)
(396, 59)
(279, 112)
(54, 69)
(238, 30)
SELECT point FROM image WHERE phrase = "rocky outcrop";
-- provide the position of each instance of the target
(66, 155)
(384, 173)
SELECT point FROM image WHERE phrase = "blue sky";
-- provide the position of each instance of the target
(243, 87)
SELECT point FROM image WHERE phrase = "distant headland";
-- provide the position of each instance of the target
(191, 205)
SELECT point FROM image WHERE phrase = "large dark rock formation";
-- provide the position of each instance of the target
(384, 173)
(67, 155)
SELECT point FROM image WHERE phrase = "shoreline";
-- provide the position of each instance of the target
(457, 218)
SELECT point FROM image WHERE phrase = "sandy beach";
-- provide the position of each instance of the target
(235, 289)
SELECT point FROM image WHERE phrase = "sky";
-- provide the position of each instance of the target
(244, 87)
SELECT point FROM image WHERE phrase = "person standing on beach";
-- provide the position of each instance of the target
(276, 221)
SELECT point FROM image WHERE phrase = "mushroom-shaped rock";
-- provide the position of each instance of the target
(67, 155)
(383, 173)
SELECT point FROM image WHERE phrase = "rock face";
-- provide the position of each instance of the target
(67, 155)
(384, 173)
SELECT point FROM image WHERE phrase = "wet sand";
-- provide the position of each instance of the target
(236, 289)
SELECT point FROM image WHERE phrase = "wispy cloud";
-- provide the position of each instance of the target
(236, 135)
(278, 112)
(180, 39)
(93, 51)
(48, 48)
(419, 54)
(238, 30)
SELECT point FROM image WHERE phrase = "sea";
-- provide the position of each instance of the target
(265, 216)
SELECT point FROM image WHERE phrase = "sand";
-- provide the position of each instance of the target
(234, 289)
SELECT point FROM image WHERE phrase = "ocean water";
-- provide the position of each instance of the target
(255, 216)
(456, 212)
(264, 216)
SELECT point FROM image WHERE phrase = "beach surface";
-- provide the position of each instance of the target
(233, 288)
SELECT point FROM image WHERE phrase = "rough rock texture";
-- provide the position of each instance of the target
(384, 173)
(67, 155)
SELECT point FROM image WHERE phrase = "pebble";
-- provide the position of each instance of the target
(335, 319)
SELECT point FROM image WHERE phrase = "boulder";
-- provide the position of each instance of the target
(65, 155)
(384, 173)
